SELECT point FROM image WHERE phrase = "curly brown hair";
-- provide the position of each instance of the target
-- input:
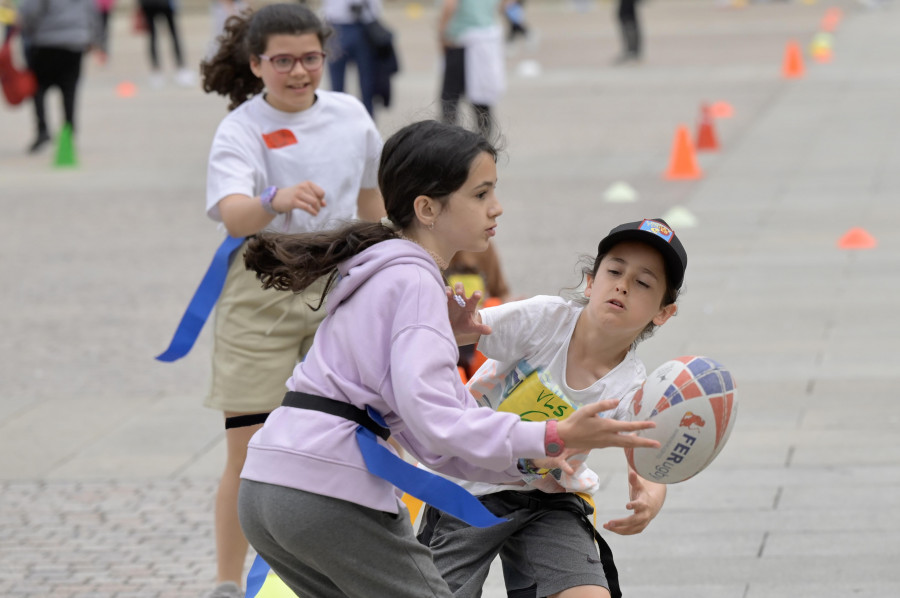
(246, 35)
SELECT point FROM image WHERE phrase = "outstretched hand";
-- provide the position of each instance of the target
(646, 500)
(583, 429)
(464, 317)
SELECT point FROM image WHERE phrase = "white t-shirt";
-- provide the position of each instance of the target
(334, 144)
(533, 336)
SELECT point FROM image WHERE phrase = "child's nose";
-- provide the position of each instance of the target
(498, 209)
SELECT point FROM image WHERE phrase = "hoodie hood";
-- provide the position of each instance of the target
(357, 270)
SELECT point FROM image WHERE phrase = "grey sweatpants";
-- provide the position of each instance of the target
(324, 547)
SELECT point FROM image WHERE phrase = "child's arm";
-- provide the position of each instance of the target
(447, 12)
(244, 215)
(370, 205)
(647, 499)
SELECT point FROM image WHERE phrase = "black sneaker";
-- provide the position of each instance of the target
(41, 140)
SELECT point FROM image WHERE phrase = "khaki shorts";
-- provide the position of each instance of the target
(260, 335)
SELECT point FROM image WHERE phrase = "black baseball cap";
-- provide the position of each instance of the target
(656, 233)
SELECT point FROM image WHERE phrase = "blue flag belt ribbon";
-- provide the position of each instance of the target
(203, 301)
(256, 577)
(439, 492)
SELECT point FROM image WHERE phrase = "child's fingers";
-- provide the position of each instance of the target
(635, 426)
(566, 467)
(306, 201)
(317, 191)
(598, 407)
(632, 441)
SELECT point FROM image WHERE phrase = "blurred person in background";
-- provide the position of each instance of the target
(350, 44)
(167, 10)
(630, 29)
(104, 8)
(471, 40)
(59, 32)
(219, 11)
(515, 16)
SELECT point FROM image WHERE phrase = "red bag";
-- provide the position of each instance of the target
(139, 21)
(18, 85)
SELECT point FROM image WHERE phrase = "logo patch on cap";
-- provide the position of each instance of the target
(660, 230)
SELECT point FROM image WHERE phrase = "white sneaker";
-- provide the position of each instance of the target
(185, 78)
(229, 589)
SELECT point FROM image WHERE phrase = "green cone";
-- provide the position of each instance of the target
(65, 149)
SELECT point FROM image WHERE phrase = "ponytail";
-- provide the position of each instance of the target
(294, 262)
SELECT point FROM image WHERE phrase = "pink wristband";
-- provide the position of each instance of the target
(553, 444)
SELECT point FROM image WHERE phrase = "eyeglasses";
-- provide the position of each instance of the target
(284, 63)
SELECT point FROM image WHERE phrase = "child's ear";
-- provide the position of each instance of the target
(256, 67)
(588, 286)
(664, 314)
(426, 209)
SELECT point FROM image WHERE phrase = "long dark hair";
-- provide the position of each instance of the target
(228, 72)
(424, 158)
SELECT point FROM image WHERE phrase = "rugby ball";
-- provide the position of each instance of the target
(692, 400)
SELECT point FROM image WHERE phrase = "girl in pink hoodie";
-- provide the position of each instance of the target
(317, 500)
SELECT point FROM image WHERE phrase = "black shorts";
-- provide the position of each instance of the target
(548, 545)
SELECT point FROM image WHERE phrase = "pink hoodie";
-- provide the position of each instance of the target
(387, 342)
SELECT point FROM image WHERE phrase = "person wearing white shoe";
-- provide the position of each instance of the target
(168, 11)
(185, 78)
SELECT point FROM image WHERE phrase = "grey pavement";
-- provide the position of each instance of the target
(108, 461)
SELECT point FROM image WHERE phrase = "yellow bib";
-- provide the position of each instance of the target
(534, 401)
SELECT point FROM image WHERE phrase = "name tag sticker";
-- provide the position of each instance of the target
(279, 138)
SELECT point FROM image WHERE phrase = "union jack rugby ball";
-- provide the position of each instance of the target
(692, 400)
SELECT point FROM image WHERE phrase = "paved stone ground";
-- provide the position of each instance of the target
(109, 463)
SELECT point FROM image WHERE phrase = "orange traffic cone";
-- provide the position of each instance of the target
(683, 163)
(857, 238)
(793, 62)
(831, 19)
(706, 132)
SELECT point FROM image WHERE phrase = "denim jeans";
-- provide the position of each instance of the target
(351, 45)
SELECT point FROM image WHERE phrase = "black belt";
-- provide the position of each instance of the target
(302, 400)
(241, 421)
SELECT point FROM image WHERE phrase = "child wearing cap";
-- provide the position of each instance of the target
(548, 356)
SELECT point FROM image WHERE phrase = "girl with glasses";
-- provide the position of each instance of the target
(289, 158)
